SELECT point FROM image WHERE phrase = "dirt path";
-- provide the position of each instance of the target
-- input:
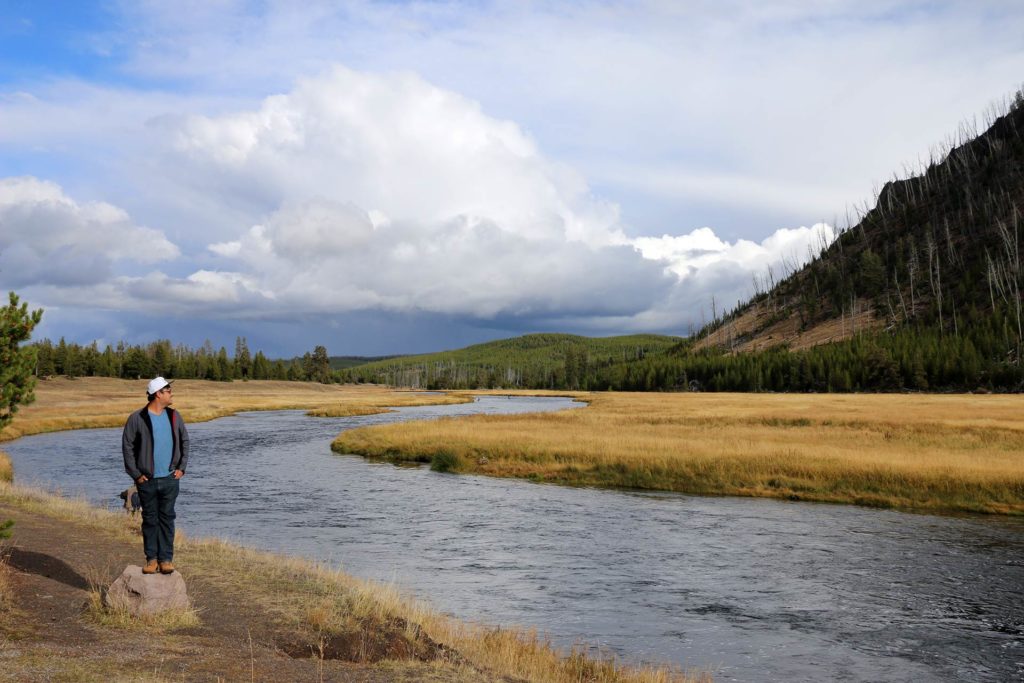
(45, 634)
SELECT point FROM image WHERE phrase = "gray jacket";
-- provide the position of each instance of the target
(137, 443)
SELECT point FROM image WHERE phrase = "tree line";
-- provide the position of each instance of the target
(912, 358)
(915, 358)
(177, 361)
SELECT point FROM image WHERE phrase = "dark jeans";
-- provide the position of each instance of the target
(157, 497)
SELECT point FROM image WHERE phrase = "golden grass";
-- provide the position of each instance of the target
(116, 617)
(88, 402)
(5, 582)
(929, 452)
(315, 599)
(119, 617)
(321, 600)
(6, 469)
(35, 665)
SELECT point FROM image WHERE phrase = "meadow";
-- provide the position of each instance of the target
(910, 451)
(88, 402)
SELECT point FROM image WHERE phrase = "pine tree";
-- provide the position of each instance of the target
(17, 362)
(320, 366)
(243, 359)
(225, 369)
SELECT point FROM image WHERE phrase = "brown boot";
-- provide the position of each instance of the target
(150, 567)
(167, 567)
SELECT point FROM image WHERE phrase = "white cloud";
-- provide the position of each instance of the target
(394, 144)
(686, 255)
(791, 107)
(445, 168)
(385, 193)
(48, 238)
(397, 195)
(393, 193)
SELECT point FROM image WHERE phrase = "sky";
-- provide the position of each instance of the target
(401, 177)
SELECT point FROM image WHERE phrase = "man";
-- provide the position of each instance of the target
(155, 449)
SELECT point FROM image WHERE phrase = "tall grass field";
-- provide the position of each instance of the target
(926, 452)
(89, 402)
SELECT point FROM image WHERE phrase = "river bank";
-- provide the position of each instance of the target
(90, 402)
(935, 453)
(261, 616)
(746, 587)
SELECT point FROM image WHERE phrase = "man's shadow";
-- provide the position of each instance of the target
(44, 565)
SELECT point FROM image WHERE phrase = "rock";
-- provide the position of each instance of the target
(144, 594)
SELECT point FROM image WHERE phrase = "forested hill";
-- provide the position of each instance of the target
(555, 361)
(342, 362)
(940, 249)
(931, 275)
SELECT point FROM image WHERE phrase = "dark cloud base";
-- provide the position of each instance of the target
(367, 333)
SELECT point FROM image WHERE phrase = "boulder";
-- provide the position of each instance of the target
(145, 594)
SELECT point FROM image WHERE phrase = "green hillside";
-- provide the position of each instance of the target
(941, 249)
(344, 362)
(555, 361)
(936, 264)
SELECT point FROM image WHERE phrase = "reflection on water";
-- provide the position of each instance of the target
(752, 589)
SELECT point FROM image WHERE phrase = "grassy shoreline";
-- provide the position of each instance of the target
(308, 603)
(317, 605)
(94, 402)
(929, 453)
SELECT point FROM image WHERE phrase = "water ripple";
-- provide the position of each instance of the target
(751, 589)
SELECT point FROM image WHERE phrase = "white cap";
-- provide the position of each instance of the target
(156, 384)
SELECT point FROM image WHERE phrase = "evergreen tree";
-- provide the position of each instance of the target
(44, 359)
(136, 364)
(225, 369)
(60, 357)
(260, 366)
(319, 366)
(243, 360)
(17, 361)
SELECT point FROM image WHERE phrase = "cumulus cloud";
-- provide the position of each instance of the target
(393, 193)
(395, 144)
(686, 255)
(47, 238)
(377, 192)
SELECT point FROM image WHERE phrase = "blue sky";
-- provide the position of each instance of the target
(401, 177)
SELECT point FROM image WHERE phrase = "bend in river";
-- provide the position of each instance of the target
(750, 589)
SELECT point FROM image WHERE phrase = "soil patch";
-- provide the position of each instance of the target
(46, 635)
(45, 565)
(371, 643)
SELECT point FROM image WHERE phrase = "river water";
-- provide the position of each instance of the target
(751, 589)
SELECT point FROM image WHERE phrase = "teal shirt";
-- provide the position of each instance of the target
(163, 444)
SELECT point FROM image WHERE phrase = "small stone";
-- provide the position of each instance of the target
(145, 594)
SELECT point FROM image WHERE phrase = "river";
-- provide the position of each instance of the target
(750, 589)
